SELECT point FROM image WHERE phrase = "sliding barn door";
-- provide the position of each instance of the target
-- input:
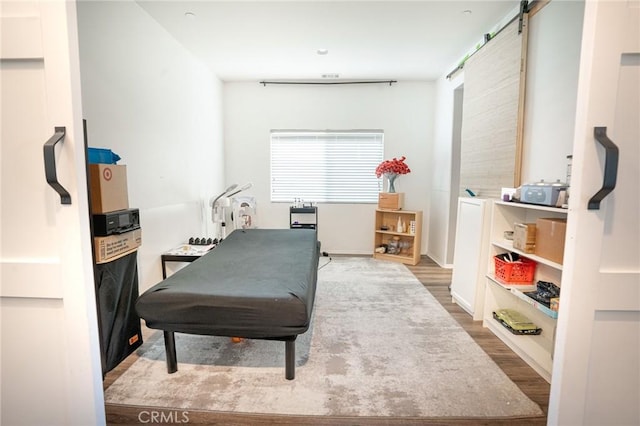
(494, 78)
(596, 370)
(49, 355)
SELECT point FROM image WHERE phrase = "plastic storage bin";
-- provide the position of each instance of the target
(102, 156)
(520, 272)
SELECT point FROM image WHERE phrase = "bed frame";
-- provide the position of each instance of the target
(257, 284)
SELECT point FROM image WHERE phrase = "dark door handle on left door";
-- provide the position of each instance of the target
(50, 164)
(610, 167)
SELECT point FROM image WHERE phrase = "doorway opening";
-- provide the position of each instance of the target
(456, 142)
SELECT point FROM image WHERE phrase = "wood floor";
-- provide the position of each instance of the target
(437, 281)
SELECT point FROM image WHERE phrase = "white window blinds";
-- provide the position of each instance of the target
(326, 166)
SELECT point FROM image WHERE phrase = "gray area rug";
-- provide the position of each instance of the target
(379, 345)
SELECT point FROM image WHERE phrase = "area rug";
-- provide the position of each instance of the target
(379, 345)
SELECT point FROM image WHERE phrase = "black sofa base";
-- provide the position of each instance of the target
(289, 345)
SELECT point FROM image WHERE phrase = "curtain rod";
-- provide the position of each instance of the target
(524, 8)
(390, 82)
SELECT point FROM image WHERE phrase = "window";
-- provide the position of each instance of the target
(326, 166)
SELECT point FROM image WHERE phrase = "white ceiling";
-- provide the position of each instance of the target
(269, 40)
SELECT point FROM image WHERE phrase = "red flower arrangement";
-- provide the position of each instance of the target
(393, 167)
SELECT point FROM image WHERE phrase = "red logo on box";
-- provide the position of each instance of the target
(107, 173)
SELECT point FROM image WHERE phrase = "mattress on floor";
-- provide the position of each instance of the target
(258, 283)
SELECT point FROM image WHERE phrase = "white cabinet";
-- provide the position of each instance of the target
(470, 256)
(536, 350)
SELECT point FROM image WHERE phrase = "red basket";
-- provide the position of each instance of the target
(520, 272)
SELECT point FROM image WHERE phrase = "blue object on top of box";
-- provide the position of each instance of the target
(102, 156)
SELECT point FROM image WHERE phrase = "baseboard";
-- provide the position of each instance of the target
(439, 262)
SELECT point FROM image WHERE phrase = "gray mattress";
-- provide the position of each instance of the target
(258, 283)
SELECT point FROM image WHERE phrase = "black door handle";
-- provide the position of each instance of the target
(50, 164)
(610, 167)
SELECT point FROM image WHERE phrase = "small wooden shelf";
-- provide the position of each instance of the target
(409, 242)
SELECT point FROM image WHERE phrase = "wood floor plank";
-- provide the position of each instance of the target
(437, 281)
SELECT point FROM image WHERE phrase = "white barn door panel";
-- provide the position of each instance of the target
(596, 375)
(49, 352)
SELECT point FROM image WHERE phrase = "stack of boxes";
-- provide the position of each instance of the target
(109, 194)
(116, 239)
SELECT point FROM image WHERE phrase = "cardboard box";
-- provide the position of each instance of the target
(116, 246)
(524, 237)
(550, 233)
(108, 186)
(390, 200)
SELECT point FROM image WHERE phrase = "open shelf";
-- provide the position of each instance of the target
(395, 257)
(531, 348)
(409, 241)
(531, 207)
(508, 245)
(536, 350)
(539, 306)
(509, 286)
(394, 233)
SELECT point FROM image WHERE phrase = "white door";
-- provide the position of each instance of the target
(596, 371)
(50, 370)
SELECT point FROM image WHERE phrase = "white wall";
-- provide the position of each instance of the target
(160, 109)
(404, 111)
(555, 34)
(552, 72)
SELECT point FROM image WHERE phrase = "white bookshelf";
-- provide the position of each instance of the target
(536, 350)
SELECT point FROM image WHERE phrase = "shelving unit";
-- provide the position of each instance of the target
(409, 241)
(303, 217)
(536, 350)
